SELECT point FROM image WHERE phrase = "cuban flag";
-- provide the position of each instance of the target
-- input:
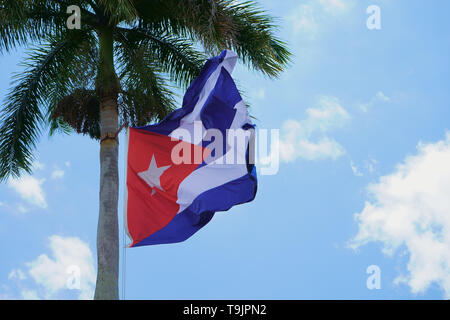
(195, 162)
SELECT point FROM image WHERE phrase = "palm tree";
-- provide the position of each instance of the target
(119, 68)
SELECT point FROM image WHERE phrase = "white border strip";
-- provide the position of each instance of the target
(125, 189)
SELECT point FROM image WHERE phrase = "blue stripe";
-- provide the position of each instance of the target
(202, 209)
(218, 111)
(172, 120)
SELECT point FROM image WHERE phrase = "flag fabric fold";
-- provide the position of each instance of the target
(192, 164)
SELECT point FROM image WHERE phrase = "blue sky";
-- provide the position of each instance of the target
(363, 118)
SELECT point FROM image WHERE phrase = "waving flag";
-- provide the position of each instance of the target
(195, 162)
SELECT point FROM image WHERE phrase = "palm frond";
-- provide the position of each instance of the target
(58, 125)
(118, 10)
(146, 94)
(254, 40)
(82, 75)
(25, 21)
(241, 26)
(174, 55)
(197, 18)
(47, 67)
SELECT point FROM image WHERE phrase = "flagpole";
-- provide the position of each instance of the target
(124, 221)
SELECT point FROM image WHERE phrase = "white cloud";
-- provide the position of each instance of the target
(49, 276)
(369, 166)
(67, 163)
(22, 209)
(29, 294)
(379, 97)
(355, 170)
(307, 139)
(29, 188)
(57, 174)
(38, 165)
(327, 115)
(303, 20)
(310, 17)
(52, 272)
(335, 6)
(409, 212)
(260, 94)
(17, 274)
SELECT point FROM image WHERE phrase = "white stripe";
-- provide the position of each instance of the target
(241, 117)
(187, 122)
(214, 174)
(218, 172)
(200, 181)
(125, 189)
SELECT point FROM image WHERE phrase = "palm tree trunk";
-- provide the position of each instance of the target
(107, 286)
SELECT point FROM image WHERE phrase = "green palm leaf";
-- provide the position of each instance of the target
(47, 69)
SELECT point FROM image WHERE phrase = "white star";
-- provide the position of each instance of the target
(152, 176)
